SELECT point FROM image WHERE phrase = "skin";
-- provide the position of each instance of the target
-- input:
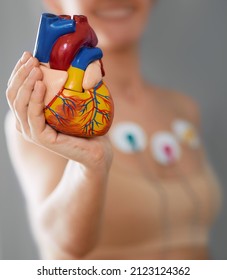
(83, 202)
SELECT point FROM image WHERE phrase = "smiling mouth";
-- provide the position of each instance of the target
(115, 13)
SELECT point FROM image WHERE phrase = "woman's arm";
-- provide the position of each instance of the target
(63, 177)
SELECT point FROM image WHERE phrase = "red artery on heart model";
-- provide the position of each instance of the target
(71, 63)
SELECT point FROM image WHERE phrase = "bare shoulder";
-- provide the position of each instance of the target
(182, 103)
(186, 105)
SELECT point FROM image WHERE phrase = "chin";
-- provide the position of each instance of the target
(115, 42)
(119, 35)
(118, 24)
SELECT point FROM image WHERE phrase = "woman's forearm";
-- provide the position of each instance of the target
(70, 218)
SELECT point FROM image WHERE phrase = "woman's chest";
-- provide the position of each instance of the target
(160, 184)
(156, 138)
(141, 207)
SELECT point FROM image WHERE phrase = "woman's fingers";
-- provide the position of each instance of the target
(19, 78)
(22, 99)
(36, 118)
(25, 57)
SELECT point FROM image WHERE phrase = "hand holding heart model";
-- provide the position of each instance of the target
(77, 100)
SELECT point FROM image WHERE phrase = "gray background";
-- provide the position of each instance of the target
(184, 47)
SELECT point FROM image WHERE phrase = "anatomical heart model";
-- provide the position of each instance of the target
(77, 101)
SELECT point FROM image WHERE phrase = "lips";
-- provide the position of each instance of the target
(116, 13)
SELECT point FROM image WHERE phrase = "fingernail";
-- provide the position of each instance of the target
(29, 63)
(24, 57)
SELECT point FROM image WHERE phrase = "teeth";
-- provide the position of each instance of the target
(115, 13)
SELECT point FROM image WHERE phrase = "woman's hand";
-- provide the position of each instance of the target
(25, 95)
(64, 178)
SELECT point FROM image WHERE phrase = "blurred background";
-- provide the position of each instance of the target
(184, 47)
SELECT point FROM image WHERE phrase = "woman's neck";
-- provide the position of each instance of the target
(123, 72)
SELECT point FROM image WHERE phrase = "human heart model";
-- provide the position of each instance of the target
(77, 100)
